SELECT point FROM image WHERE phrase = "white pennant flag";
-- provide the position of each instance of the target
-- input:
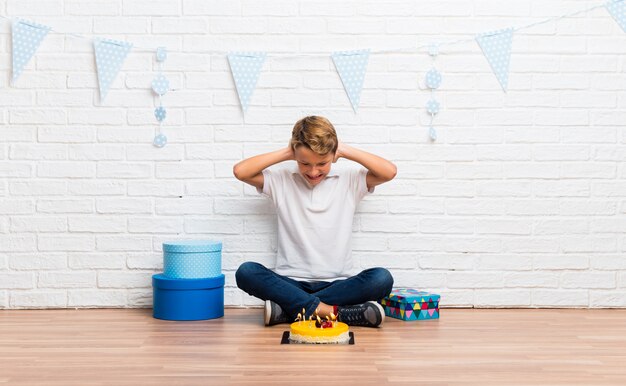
(26, 38)
(110, 55)
(351, 66)
(246, 67)
(617, 9)
(496, 46)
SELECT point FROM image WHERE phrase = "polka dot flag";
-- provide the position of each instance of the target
(246, 67)
(496, 47)
(110, 55)
(617, 9)
(351, 66)
(26, 38)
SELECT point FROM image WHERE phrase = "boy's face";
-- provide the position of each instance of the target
(312, 166)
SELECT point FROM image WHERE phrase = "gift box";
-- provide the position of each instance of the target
(188, 299)
(411, 304)
(192, 259)
(191, 286)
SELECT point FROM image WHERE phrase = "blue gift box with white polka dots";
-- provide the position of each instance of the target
(192, 259)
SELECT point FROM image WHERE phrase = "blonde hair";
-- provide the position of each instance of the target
(316, 133)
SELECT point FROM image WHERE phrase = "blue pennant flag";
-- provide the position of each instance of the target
(617, 9)
(496, 46)
(351, 66)
(26, 38)
(246, 67)
(110, 55)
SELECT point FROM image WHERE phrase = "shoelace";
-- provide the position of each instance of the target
(354, 316)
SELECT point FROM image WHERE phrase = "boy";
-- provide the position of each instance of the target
(315, 208)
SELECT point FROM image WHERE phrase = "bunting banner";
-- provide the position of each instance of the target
(496, 46)
(246, 67)
(26, 38)
(617, 9)
(110, 55)
(351, 66)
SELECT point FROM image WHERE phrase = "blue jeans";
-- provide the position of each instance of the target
(293, 295)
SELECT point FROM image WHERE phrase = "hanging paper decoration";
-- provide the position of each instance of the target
(110, 55)
(161, 54)
(433, 78)
(432, 106)
(26, 38)
(617, 9)
(433, 81)
(160, 140)
(160, 114)
(351, 66)
(160, 85)
(246, 67)
(496, 47)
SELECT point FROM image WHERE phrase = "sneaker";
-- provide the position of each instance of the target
(274, 314)
(368, 314)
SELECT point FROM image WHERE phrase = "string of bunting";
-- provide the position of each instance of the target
(246, 67)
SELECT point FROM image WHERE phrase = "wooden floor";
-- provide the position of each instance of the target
(463, 347)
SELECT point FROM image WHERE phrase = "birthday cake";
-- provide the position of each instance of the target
(318, 330)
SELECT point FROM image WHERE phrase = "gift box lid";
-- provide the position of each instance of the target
(410, 295)
(163, 282)
(191, 246)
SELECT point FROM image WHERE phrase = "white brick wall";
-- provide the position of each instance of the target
(520, 203)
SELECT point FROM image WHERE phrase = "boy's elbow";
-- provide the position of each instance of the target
(393, 172)
(237, 172)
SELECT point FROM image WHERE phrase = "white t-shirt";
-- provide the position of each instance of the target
(315, 223)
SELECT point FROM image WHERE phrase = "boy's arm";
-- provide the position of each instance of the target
(251, 169)
(379, 169)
